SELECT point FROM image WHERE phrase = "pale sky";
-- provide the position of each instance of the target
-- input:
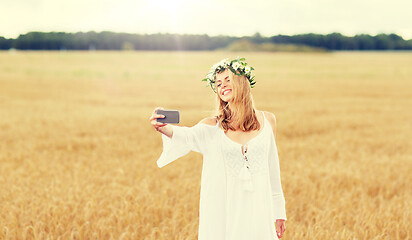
(212, 17)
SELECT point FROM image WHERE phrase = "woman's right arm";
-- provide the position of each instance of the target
(179, 140)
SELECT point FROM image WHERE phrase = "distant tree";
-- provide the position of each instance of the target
(107, 40)
(383, 42)
(398, 42)
(5, 44)
(281, 39)
(365, 41)
(334, 41)
(257, 38)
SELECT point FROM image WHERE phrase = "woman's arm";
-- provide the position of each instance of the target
(179, 140)
(278, 198)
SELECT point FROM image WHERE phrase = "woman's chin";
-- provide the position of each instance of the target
(225, 99)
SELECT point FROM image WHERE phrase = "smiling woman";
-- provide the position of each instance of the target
(241, 196)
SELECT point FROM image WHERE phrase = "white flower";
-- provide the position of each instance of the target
(247, 69)
(224, 62)
(236, 65)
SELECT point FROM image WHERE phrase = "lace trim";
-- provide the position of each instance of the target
(234, 160)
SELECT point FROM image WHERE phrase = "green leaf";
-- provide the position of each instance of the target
(242, 59)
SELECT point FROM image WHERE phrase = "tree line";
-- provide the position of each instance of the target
(183, 42)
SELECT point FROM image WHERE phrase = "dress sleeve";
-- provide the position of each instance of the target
(184, 140)
(278, 199)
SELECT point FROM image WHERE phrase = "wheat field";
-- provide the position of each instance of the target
(78, 153)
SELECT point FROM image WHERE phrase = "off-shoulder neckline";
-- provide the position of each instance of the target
(265, 122)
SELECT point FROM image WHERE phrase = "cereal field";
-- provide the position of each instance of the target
(78, 153)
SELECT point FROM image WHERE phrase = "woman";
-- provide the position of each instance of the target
(241, 195)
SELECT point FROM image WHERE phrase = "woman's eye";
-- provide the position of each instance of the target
(219, 85)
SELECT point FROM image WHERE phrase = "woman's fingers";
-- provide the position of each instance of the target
(280, 228)
(157, 124)
(280, 235)
(161, 124)
(278, 231)
(154, 111)
(154, 117)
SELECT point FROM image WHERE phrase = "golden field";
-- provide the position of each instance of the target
(78, 153)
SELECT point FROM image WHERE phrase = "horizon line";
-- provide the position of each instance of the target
(210, 35)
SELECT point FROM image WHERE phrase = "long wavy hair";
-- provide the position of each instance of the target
(242, 104)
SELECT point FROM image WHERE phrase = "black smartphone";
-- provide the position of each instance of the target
(171, 116)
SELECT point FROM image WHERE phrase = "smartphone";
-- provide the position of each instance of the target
(171, 116)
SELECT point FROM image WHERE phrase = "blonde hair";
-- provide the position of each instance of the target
(242, 104)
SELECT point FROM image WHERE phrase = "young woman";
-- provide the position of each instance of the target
(241, 196)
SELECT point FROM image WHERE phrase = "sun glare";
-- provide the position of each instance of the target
(169, 14)
(171, 6)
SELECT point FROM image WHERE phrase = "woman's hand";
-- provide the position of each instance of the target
(280, 227)
(153, 120)
(160, 127)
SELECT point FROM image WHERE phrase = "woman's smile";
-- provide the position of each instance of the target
(226, 91)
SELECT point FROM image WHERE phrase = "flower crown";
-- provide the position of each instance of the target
(238, 66)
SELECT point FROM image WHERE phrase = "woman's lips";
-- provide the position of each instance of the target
(226, 91)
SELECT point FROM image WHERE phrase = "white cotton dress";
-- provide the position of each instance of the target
(241, 194)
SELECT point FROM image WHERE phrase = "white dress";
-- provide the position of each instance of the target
(241, 194)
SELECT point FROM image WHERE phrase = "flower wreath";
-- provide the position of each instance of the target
(238, 66)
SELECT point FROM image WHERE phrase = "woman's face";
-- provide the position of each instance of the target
(224, 85)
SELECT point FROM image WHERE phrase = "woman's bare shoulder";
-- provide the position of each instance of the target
(212, 121)
(271, 118)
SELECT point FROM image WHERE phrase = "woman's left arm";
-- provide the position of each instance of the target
(278, 199)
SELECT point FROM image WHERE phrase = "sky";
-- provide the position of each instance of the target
(212, 17)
